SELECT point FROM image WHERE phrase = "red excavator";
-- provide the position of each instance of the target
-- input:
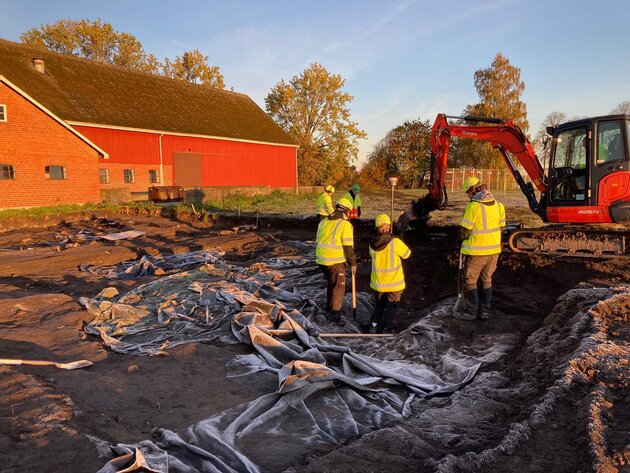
(585, 196)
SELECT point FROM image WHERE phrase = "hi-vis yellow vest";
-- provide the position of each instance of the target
(324, 204)
(387, 271)
(485, 221)
(332, 236)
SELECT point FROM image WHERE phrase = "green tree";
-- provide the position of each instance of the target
(132, 56)
(314, 110)
(623, 107)
(404, 153)
(192, 66)
(499, 87)
(409, 150)
(373, 172)
(92, 40)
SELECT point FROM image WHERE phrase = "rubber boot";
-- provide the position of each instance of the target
(472, 303)
(365, 328)
(388, 318)
(485, 302)
(333, 316)
(336, 318)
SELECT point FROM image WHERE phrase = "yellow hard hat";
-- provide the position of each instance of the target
(469, 182)
(344, 204)
(382, 219)
(329, 189)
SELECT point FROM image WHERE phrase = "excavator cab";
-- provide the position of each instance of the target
(589, 171)
(568, 173)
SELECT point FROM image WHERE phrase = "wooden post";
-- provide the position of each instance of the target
(355, 335)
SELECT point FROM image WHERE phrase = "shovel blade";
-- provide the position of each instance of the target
(74, 365)
(459, 304)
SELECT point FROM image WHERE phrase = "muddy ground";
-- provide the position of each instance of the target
(558, 401)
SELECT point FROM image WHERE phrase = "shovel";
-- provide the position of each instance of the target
(354, 298)
(460, 293)
(355, 335)
(73, 365)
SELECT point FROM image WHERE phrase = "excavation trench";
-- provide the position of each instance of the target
(539, 386)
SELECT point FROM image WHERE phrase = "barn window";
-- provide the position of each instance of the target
(55, 172)
(7, 171)
(129, 176)
(104, 175)
(154, 176)
(3, 113)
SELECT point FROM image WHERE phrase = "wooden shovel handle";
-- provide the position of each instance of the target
(5, 361)
(355, 335)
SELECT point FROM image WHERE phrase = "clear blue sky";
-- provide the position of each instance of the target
(402, 59)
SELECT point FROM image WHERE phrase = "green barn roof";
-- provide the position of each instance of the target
(78, 90)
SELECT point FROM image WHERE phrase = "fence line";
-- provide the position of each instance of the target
(495, 179)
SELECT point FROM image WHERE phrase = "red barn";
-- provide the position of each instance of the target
(156, 130)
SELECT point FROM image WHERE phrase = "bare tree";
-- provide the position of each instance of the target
(623, 107)
(540, 141)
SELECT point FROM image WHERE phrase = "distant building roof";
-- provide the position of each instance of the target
(78, 90)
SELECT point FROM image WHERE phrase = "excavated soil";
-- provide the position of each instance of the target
(558, 401)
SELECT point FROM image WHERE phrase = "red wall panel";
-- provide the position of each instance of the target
(233, 163)
(124, 146)
(224, 163)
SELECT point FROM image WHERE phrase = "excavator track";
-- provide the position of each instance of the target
(572, 241)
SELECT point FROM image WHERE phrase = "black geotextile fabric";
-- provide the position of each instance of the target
(327, 393)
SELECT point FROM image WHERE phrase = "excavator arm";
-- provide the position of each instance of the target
(502, 135)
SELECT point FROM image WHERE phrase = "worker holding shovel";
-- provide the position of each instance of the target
(480, 233)
(388, 278)
(334, 249)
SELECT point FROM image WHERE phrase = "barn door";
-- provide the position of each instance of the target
(187, 170)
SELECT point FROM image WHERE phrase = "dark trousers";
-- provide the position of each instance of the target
(355, 224)
(385, 309)
(336, 288)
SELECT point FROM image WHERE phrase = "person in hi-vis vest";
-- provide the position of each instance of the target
(355, 199)
(334, 249)
(324, 202)
(480, 234)
(387, 278)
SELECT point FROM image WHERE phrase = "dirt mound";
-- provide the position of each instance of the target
(558, 405)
